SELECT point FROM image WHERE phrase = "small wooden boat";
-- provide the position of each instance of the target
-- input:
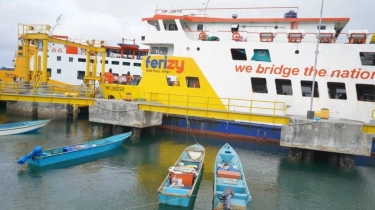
(181, 183)
(22, 127)
(230, 188)
(39, 157)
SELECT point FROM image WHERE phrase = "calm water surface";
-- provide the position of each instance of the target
(129, 176)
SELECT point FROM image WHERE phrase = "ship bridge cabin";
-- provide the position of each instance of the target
(266, 24)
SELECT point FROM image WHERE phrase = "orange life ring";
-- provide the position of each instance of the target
(236, 36)
(53, 50)
(60, 50)
(202, 36)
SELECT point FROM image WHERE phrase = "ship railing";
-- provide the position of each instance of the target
(26, 88)
(33, 29)
(245, 12)
(216, 104)
(248, 35)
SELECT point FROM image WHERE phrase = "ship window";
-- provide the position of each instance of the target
(58, 58)
(306, 87)
(172, 27)
(70, 59)
(173, 81)
(136, 64)
(115, 63)
(126, 63)
(336, 90)
(20, 48)
(284, 87)
(367, 58)
(157, 27)
(200, 27)
(80, 74)
(261, 55)
(192, 82)
(238, 54)
(365, 92)
(81, 59)
(259, 85)
(155, 50)
(106, 62)
(163, 50)
(20, 54)
(59, 71)
(49, 72)
(91, 60)
(234, 27)
(322, 27)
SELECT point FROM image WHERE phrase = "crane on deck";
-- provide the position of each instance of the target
(41, 33)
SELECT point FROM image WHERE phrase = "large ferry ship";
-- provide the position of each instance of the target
(66, 64)
(260, 55)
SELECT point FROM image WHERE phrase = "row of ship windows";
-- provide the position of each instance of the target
(106, 62)
(80, 74)
(367, 58)
(336, 90)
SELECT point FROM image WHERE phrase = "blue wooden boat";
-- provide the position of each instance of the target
(181, 183)
(39, 157)
(230, 188)
(22, 127)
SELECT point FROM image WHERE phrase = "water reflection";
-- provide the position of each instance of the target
(129, 176)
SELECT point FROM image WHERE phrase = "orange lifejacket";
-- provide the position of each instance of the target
(109, 77)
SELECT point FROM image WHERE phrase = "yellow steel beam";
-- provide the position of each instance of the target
(215, 114)
(46, 99)
(79, 45)
(369, 129)
(41, 36)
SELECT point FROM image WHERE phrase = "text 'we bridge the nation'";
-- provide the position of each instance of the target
(284, 71)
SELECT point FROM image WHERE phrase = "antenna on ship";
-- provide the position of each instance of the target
(204, 14)
(57, 23)
(311, 113)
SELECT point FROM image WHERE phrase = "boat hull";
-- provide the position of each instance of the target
(243, 130)
(22, 127)
(230, 179)
(182, 200)
(49, 159)
(183, 195)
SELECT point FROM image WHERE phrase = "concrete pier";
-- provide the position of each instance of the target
(334, 135)
(40, 110)
(123, 113)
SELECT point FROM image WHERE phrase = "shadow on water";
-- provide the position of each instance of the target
(32, 169)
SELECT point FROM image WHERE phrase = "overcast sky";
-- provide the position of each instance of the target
(112, 20)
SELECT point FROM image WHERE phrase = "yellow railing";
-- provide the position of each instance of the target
(82, 95)
(215, 103)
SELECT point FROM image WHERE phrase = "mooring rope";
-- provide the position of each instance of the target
(188, 124)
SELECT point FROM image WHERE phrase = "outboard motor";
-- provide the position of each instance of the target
(226, 198)
(37, 151)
